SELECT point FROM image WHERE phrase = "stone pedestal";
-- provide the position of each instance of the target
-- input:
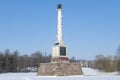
(59, 69)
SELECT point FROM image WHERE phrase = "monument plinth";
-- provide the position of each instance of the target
(59, 65)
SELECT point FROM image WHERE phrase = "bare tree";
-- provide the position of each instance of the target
(99, 62)
(36, 58)
(104, 63)
(118, 61)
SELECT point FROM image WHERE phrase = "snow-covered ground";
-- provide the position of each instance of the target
(89, 74)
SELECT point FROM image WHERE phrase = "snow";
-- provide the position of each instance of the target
(89, 71)
(89, 74)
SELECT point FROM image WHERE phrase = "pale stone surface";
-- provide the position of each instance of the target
(59, 69)
(56, 50)
(59, 26)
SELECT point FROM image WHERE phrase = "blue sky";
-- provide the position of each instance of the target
(90, 27)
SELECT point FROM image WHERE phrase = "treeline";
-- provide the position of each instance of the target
(108, 63)
(104, 63)
(14, 62)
